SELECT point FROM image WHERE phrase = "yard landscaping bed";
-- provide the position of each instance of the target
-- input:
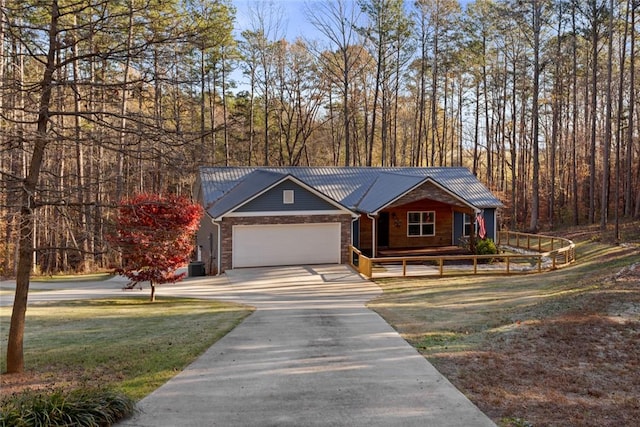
(558, 348)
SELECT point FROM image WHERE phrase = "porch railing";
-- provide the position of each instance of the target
(535, 253)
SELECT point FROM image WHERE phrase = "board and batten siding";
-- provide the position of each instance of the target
(489, 219)
(207, 241)
(272, 200)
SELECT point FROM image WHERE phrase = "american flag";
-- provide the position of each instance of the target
(482, 231)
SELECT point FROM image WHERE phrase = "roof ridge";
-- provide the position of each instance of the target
(364, 194)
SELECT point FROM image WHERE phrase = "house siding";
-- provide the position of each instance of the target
(489, 219)
(398, 237)
(458, 227)
(207, 241)
(228, 223)
(254, 196)
(447, 230)
(272, 200)
(490, 223)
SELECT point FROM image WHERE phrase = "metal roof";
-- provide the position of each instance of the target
(361, 189)
(244, 189)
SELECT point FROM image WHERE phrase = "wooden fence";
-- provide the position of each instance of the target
(518, 253)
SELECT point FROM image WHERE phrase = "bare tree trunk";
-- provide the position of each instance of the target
(266, 119)
(203, 103)
(81, 192)
(421, 107)
(557, 93)
(623, 55)
(485, 88)
(434, 98)
(574, 121)
(594, 89)
(535, 193)
(251, 115)
(374, 109)
(514, 151)
(346, 115)
(15, 351)
(606, 149)
(628, 196)
(225, 127)
(476, 130)
(123, 109)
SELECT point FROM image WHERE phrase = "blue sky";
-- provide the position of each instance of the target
(295, 22)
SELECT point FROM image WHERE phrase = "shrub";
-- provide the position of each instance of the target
(486, 247)
(83, 408)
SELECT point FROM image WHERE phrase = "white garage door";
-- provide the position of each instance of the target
(291, 244)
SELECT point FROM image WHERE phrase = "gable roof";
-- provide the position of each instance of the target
(244, 188)
(359, 189)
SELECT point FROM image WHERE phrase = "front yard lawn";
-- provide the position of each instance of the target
(550, 349)
(128, 344)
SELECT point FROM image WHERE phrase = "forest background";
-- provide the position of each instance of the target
(104, 99)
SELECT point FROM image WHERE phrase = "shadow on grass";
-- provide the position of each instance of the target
(557, 348)
(112, 342)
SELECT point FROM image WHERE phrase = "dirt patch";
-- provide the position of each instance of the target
(53, 378)
(580, 367)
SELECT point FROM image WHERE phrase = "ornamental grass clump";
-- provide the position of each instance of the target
(82, 408)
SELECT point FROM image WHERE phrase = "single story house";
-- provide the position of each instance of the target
(267, 216)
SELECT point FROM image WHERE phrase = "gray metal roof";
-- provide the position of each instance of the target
(243, 189)
(360, 189)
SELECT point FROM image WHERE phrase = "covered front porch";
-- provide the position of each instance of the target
(428, 220)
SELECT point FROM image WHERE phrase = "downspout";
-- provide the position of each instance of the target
(373, 234)
(354, 218)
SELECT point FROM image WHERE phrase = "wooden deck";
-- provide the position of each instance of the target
(534, 253)
(435, 251)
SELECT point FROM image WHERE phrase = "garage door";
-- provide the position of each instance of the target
(291, 244)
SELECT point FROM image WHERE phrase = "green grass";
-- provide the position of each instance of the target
(128, 344)
(526, 348)
(458, 312)
(93, 277)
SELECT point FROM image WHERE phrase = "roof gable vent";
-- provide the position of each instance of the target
(287, 197)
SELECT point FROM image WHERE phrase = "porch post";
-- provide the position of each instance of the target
(374, 239)
(472, 235)
(472, 242)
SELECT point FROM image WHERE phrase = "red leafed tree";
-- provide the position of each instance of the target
(155, 236)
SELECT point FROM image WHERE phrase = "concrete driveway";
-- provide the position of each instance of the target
(312, 354)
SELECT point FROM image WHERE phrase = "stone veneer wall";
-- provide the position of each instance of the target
(229, 222)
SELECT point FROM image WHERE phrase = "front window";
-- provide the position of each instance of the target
(421, 223)
(469, 225)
